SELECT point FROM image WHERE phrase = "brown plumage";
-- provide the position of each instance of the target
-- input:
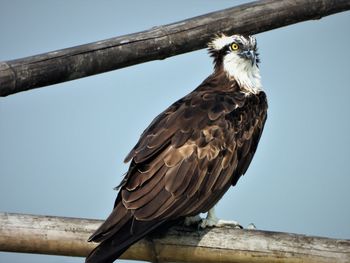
(185, 160)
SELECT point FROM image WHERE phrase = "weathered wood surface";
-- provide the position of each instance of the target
(67, 236)
(157, 43)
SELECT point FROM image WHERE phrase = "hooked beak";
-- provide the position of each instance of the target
(249, 54)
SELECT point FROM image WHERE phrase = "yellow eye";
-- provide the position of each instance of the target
(234, 46)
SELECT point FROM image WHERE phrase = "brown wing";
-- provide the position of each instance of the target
(182, 165)
(192, 153)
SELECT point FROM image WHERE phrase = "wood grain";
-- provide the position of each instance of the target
(67, 236)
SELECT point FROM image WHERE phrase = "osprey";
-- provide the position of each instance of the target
(191, 153)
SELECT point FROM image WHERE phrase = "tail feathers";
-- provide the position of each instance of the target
(115, 221)
(113, 247)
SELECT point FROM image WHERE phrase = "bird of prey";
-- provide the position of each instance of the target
(191, 153)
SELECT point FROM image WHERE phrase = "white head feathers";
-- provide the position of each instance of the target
(220, 41)
(239, 63)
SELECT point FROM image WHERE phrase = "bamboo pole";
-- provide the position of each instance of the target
(67, 236)
(157, 43)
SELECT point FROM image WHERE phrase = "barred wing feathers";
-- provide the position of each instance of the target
(184, 162)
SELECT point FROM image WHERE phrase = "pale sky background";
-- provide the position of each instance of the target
(61, 147)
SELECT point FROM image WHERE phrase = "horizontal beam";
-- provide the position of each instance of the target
(67, 236)
(157, 43)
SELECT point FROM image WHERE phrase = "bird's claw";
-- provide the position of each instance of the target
(209, 222)
(251, 226)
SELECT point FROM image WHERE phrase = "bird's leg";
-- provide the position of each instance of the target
(211, 220)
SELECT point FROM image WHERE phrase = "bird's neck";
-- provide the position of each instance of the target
(221, 80)
(247, 75)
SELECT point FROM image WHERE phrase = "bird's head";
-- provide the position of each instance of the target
(237, 56)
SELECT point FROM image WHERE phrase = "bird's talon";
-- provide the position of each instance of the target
(211, 222)
(251, 226)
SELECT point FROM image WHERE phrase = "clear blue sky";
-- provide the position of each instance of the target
(61, 147)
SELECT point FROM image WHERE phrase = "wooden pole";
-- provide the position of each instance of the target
(158, 43)
(67, 236)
